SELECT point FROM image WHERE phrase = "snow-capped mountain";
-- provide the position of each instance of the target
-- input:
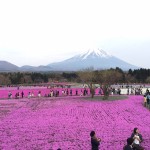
(94, 53)
(95, 58)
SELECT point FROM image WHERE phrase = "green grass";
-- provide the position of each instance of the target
(110, 98)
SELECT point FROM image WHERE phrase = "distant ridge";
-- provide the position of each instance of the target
(93, 58)
(8, 67)
(35, 69)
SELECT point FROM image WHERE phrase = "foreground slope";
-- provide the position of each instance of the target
(66, 123)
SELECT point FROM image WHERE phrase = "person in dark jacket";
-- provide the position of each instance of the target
(129, 144)
(95, 142)
(148, 100)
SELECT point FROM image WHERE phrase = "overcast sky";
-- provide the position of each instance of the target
(38, 32)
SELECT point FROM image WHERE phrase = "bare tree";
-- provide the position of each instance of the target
(148, 79)
(88, 76)
(108, 77)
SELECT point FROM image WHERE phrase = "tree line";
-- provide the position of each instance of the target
(109, 76)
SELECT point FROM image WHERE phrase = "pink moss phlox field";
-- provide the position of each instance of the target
(66, 122)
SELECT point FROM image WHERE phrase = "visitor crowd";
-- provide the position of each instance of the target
(51, 93)
(55, 92)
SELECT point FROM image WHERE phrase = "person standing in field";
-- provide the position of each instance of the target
(32, 94)
(62, 92)
(67, 92)
(9, 95)
(145, 101)
(95, 142)
(39, 94)
(137, 139)
(29, 95)
(148, 99)
(71, 92)
(76, 92)
(22, 94)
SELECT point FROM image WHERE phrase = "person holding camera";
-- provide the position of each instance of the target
(95, 142)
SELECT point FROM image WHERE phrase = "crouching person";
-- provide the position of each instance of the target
(129, 144)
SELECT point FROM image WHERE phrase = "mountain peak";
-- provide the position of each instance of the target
(95, 53)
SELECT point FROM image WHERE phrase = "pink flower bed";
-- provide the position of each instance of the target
(66, 122)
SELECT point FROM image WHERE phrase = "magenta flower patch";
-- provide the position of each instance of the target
(66, 122)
